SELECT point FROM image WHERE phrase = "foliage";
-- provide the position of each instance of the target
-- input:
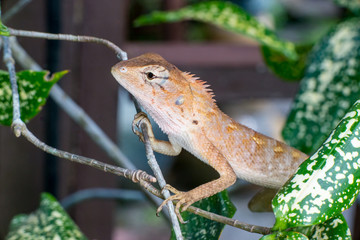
(225, 15)
(327, 183)
(34, 88)
(4, 31)
(282, 66)
(352, 5)
(202, 228)
(309, 206)
(330, 86)
(48, 222)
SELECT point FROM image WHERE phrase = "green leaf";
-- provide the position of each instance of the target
(198, 227)
(225, 15)
(333, 229)
(352, 5)
(282, 66)
(34, 88)
(50, 221)
(285, 236)
(4, 31)
(330, 86)
(327, 183)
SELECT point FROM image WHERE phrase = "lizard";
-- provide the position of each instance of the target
(185, 109)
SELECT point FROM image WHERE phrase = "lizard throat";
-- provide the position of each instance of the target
(168, 123)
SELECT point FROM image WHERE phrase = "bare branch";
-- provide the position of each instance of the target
(101, 193)
(212, 216)
(19, 128)
(15, 9)
(76, 113)
(161, 180)
(10, 64)
(132, 174)
(68, 37)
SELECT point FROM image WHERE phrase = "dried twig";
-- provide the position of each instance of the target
(212, 216)
(15, 9)
(161, 180)
(68, 37)
(20, 128)
(143, 183)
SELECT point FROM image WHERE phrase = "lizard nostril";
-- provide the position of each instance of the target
(123, 69)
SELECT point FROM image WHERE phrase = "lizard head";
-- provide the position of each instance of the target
(166, 93)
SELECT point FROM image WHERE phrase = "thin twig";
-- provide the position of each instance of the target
(134, 175)
(10, 64)
(161, 180)
(15, 9)
(77, 113)
(212, 216)
(208, 215)
(101, 193)
(19, 128)
(68, 37)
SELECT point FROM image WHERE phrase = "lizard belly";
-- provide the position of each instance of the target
(185, 142)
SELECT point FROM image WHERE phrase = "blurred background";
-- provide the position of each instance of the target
(244, 88)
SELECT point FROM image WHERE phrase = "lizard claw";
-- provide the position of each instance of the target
(138, 119)
(185, 199)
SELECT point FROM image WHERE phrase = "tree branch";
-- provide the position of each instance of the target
(68, 37)
(161, 180)
(15, 9)
(143, 180)
(19, 128)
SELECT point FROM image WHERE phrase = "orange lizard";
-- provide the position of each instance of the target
(185, 109)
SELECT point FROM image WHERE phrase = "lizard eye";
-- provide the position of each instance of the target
(150, 75)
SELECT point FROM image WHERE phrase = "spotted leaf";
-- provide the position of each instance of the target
(34, 88)
(225, 15)
(198, 227)
(50, 221)
(327, 183)
(330, 86)
(333, 229)
(285, 236)
(352, 5)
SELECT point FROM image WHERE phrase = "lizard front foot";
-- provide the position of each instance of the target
(185, 199)
(136, 124)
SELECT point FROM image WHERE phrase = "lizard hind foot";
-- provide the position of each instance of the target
(184, 200)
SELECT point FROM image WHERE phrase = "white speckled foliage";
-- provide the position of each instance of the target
(330, 86)
(285, 236)
(49, 222)
(227, 16)
(34, 88)
(200, 228)
(352, 5)
(327, 183)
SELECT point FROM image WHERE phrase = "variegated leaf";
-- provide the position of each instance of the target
(34, 88)
(327, 183)
(330, 86)
(333, 229)
(50, 221)
(200, 228)
(285, 236)
(225, 15)
(352, 5)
